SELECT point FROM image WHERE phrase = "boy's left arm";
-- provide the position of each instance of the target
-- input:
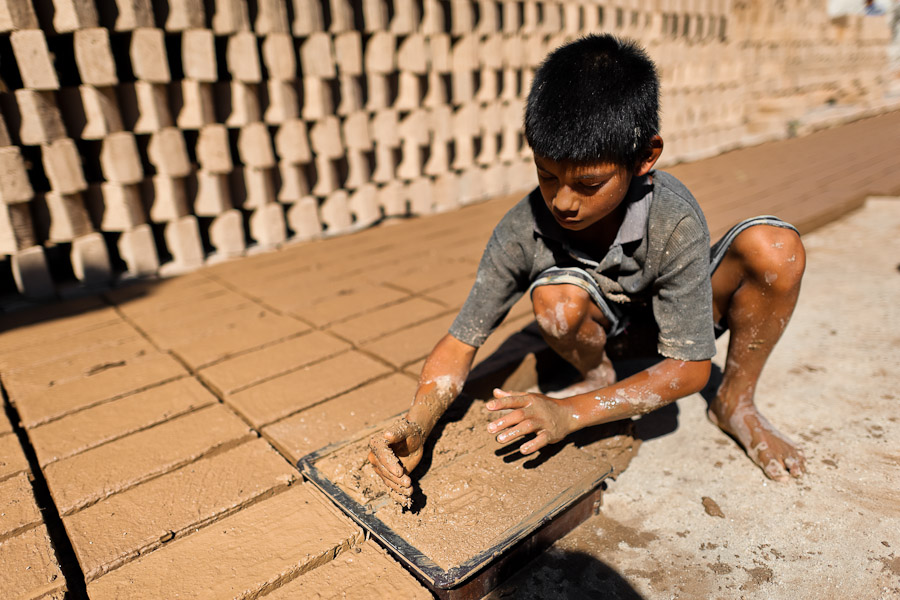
(552, 419)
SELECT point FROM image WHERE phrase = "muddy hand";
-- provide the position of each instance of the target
(395, 452)
(546, 417)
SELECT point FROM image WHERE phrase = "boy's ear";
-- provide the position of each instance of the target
(650, 157)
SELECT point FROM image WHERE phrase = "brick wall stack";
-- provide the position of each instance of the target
(154, 136)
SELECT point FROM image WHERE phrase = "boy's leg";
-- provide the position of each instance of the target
(575, 328)
(755, 289)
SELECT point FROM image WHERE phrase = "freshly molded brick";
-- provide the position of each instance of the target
(272, 541)
(136, 374)
(19, 509)
(249, 332)
(387, 320)
(83, 479)
(30, 567)
(12, 458)
(111, 420)
(242, 371)
(115, 530)
(370, 573)
(279, 397)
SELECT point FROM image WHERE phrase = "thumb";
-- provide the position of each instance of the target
(498, 393)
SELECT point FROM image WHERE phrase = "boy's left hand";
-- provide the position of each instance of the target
(546, 417)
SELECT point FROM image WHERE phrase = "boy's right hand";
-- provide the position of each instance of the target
(395, 452)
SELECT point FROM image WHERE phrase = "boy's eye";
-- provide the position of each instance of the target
(591, 185)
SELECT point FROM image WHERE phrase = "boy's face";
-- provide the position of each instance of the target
(580, 195)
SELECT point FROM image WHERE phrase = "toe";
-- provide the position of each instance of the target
(771, 466)
(774, 470)
(796, 466)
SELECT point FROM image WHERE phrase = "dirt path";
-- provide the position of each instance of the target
(693, 518)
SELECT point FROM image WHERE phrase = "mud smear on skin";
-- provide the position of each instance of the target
(470, 490)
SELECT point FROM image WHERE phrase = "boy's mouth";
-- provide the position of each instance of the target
(564, 221)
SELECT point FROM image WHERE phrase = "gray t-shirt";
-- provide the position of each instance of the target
(660, 259)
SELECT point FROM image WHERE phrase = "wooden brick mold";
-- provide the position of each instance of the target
(176, 133)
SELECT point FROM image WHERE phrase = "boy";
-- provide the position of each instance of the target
(610, 249)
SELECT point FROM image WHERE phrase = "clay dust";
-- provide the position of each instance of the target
(471, 492)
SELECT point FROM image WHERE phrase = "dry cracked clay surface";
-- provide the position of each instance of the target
(475, 491)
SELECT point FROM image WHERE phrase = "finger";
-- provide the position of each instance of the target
(536, 444)
(513, 418)
(511, 435)
(397, 432)
(508, 401)
(382, 471)
(403, 485)
(386, 456)
(400, 489)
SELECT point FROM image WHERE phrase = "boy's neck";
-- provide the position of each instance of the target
(597, 238)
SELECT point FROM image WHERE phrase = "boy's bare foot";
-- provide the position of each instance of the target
(778, 457)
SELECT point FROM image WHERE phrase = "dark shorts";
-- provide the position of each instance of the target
(618, 315)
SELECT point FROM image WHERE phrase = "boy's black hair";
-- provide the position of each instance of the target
(594, 99)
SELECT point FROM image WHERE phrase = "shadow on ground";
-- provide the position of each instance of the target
(566, 575)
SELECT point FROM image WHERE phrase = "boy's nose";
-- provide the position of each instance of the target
(565, 201)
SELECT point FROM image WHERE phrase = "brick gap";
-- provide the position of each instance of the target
(65, 553)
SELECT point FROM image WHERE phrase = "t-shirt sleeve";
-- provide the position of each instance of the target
(501, 280)
(682, 299)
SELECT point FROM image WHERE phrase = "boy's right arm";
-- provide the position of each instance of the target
(396, 451)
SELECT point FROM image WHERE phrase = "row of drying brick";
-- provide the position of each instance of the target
(305, 17)
(137, 454)
(418, 162)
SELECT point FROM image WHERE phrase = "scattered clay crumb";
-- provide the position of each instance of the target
(403, 501)
(719, 568)
(891, 564)
(758, 576)
(829, 462)
(885, 544)
(711, 508)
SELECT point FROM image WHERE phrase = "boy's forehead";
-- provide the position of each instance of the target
(576, 168)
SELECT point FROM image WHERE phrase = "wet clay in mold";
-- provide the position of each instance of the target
(470, 490)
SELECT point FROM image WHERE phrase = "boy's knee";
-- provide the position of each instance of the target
(560, 309)
(772, 256)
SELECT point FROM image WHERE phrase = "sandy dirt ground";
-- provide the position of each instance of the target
(692, 517)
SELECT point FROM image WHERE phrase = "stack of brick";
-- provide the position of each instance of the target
(154, 137)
